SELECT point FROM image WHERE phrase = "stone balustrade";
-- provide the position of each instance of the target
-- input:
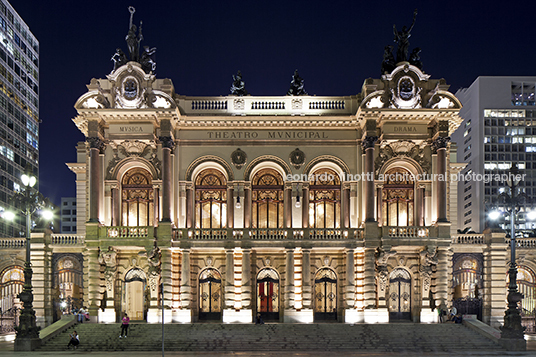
(12, 243)
(406, 232)
(468, 239)
(67, 239)
(129, 232)
(253, 105)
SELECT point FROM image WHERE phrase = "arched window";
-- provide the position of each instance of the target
(526, 283)
(267, 199)
(325, 199)
(210, 200)
(398, 198)
(11, 284)
(137, 198)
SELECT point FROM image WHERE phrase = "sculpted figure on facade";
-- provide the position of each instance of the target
(109, 260)
(147, 60)
(402, 40)
(382, 257)
(119, 58)
(296, 85)
(414, 58)
(238, 87)
(154, 259)
(133, 41)
(388, 64)
(428, 261)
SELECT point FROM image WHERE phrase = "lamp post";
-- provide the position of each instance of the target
(512, 332)
(28, 201)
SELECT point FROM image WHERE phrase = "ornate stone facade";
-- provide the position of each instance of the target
(355, 229)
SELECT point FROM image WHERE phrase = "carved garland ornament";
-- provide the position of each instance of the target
(402, 148)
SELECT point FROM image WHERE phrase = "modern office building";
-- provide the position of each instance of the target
(19, 110)
(67, 211)
(498, 130)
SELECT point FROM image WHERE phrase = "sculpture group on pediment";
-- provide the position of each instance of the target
(133, 39)
(296, 85)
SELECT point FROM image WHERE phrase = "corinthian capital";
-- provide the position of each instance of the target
(441, 142)
(368, 142)
(167, 142)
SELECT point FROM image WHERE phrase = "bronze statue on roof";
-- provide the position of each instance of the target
(402, 40)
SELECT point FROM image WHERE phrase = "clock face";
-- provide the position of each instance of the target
(130, 89)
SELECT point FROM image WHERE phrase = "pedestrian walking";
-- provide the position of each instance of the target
(124, 326)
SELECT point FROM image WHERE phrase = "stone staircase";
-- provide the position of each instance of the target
(399, 337)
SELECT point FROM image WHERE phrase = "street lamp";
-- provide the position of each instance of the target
(512, 332)
(28, 201)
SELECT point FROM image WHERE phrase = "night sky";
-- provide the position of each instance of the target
(335, 45)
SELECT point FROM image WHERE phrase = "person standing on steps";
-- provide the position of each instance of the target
(124, 326)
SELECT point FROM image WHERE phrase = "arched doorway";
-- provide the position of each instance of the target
(210, 295)
(11, 285)
(526, 283)
(325, 295)
(67, 283)
(268, 294)
(133, 299)
(399, 295)
(467, 282)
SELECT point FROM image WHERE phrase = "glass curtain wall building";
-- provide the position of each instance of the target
(19, 110)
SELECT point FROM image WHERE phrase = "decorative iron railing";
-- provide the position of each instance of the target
(67, 239)
(406, 232)
(468, 239)
(9, 320)
(129, 232)
(12, 243)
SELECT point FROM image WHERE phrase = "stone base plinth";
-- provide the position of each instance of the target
(231, 316)
(154, 316)
(183, 316)
(353, 316)
(107, 316)
(304, 316)
(376, 316)
(513, 344)
(428, 316)
(27, 344)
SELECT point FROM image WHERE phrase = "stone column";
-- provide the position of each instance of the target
(307, 294)
(95, 184)
(345, 196)
(442, 275)
(494, 290)
(116, 205)
(305, 206)
(440, 144)
(230, 205)
(167, 147)
(289, 278)
(370, 280)
(349, 288)
(420, 205)
(368, 146)
(92, 270)
(190, 205)
(247, 282)
(229, 279)
(185, 289)
(379, 196)
(156, 200)
(247, 205)
(165, 276)
(287, 205)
